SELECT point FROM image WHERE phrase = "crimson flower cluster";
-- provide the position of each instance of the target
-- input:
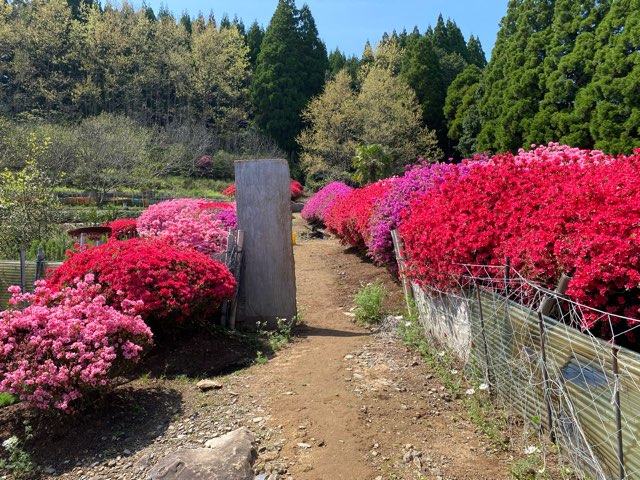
(349, 217)
(175, 285)
(296, 190)
(551, 210)
(123, 229)
(65, 343)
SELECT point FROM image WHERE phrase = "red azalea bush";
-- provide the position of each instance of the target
(174, 284)
(123, 229)
(296, 190)
(349, 217)
(315, 210)
(230, 191)
(67, 342)
(554, 209)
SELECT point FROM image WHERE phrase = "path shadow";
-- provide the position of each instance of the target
(128, 418)
(306, 331)
(360, 253)
(201, 353)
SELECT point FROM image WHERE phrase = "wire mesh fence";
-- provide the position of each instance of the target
(524, 341)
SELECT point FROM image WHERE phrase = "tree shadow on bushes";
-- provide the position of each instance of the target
(128, 418)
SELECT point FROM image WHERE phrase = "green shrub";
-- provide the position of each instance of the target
(369, 303)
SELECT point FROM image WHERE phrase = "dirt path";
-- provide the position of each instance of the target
(352, 405)
(340, 402)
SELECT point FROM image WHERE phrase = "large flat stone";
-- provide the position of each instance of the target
(229, 457)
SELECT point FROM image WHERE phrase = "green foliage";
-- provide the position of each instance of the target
(390, 116)
(568, 69)
(384, 112)
(564, 71)
(461, 97)
(7, 399)
(54, 247)
(514, 90)
(368, 302)
(28, 204)
(17, 461)
(290, 70)
(615, 86)
(371, 163)
(327, 145)
(255, 34)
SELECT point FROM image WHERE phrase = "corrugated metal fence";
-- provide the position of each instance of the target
(10, 275)
(580, 389)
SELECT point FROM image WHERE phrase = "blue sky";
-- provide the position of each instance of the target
(348, 24)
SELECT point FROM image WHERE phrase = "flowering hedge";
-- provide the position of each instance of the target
(66, 342)
(123, 229)
(554, 209)
(551, 210)
(315, 210)
(189, 223)
(349, 217)
(418, 179)
(296, 190)
(174, 284)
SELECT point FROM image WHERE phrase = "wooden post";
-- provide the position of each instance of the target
(398, 247)
(267, 285)
(23, 269)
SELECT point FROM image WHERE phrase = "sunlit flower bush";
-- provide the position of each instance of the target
(349, 217)
(418, 179)
(123, 229)
(551, 210)
(190, 223)
(176, 285)
(315, 210)
(59, 344)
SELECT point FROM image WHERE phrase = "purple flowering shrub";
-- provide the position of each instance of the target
(317, 207)
(417, 180)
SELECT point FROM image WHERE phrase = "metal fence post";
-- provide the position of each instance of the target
(398, 247)
(23, 269)
(545, 376)
(616, 404)
(488, 369)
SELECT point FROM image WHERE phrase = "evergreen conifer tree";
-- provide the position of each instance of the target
(290, 69)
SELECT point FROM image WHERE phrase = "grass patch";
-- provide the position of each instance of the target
(369, 303)
(7, 399)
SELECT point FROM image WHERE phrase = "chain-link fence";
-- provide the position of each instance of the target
(524, 341)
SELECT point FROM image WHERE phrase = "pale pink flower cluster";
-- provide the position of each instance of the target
(63, 344)
(187, 223)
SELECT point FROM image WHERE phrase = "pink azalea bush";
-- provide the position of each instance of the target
(315, 210)
(66, 343)
(189, 223)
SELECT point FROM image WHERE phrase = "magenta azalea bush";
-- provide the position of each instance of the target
(190, 223)
(418, 179)
(66, 343)
(315, 210)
